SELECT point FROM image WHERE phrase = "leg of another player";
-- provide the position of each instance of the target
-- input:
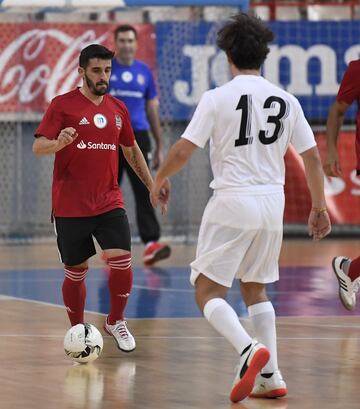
(147, 222)
(74, 292)
(148, 225)
(354, 269)
(348, 275)
(262, 316)
(210, 297)
(120, 284)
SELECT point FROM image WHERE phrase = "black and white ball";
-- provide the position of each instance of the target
(83, 343)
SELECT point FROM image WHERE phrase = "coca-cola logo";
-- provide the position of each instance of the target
(40, 64)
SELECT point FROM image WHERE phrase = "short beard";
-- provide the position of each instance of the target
(93, 89)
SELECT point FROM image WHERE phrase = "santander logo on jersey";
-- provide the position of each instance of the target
(97, 146)
(81, 145)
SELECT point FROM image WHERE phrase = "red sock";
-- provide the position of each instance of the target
(120, 283)
(74, 293)
(354, 269)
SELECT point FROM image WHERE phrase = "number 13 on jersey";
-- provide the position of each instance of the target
(245, 105)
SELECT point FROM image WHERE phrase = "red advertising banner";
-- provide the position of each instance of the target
(39, 61)
(342, 194)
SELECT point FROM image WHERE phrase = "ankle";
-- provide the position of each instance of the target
(346, 266)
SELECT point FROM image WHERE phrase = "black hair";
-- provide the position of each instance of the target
(123, 29)
(245, 40)
(94, 51)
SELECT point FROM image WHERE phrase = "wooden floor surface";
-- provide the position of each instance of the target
(179, 362)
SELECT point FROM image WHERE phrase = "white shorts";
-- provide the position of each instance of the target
(240, 237)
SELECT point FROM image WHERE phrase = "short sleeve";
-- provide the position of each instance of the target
(349, 89)
(150, 92)
(302, 137)
(202, 124)
(52, 122)
(126, 137)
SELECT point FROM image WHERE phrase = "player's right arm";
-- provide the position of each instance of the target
(45, 146)
(52, 135)
(196, 135)
(303, 141)
(333, 124)
(349, 91)
(319, 221)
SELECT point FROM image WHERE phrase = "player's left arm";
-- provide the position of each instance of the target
(178, 156)
(152, 111)
(196, 135)
(136, 160)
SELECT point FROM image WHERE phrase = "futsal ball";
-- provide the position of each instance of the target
(83, 343)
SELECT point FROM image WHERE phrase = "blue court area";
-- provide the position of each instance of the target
(167, 292)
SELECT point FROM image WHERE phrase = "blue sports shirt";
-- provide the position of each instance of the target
(133, 85)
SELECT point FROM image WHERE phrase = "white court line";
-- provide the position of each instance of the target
(299, 324)
(242, 319)
(7, 298)
(21, 335)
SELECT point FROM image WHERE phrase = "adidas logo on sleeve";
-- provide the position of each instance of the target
(84, 121)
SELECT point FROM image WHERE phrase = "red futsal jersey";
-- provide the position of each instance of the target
(349, 92)
(86, 171)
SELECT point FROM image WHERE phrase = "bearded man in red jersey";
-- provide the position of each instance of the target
(85, 128)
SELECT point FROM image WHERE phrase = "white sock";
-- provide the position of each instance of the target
(262, 316)
(225, 320)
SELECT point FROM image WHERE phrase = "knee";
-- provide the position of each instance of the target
(253, 293)
(120, 262)
(82, 266)
(116, 253)
(206, 290)
(75, 275)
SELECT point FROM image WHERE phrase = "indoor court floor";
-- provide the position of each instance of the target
(180, 361)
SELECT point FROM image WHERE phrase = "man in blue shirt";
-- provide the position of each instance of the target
(132, 82)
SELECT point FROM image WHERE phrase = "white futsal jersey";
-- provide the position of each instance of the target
(250, 123)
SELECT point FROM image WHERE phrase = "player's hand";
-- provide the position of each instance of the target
(331, 165)
(158, 158)
(160, 194)
(319, 224)
(67, 136)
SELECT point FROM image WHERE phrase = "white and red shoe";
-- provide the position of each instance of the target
(124, 340)
(347, 288)
(252, 360)
(272, 386)
(155, 251)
